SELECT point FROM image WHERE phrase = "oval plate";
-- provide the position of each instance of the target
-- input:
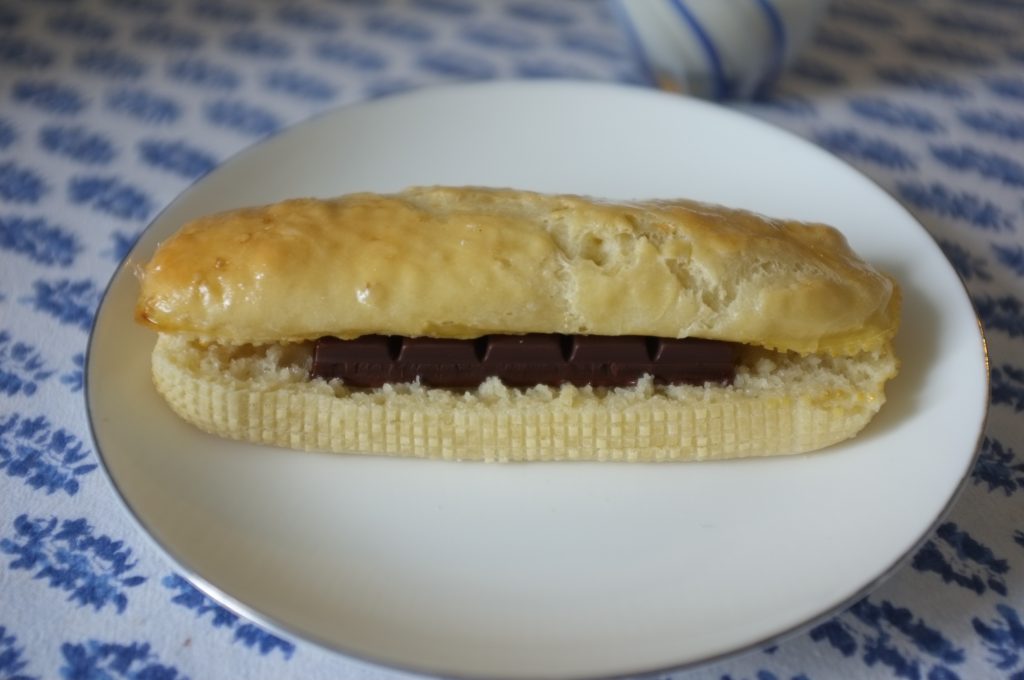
(545, 570)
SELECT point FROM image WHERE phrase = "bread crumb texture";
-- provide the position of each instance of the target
(779, 403)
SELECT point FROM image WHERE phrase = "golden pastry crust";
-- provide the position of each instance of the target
(462, 262)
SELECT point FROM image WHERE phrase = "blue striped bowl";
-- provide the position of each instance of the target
(719, 49)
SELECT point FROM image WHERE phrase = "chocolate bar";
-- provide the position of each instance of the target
(523, 360)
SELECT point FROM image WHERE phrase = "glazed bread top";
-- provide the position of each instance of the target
(460, 262)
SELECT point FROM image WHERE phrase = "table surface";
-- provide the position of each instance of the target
(111, 108)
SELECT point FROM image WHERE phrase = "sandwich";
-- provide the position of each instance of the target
(471, 323)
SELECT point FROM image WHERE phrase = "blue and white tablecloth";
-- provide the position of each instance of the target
(110, 108)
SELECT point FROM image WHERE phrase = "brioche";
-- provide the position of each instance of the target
(465, 262)
(237, 299)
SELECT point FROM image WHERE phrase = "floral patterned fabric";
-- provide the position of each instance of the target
(110, 108)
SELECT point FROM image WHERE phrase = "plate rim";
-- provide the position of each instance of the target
(271, 623)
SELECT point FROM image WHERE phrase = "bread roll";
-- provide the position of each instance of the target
(238, 297)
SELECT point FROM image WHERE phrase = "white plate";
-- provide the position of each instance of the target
(550, 570)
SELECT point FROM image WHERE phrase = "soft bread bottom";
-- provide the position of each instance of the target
(778, 404)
